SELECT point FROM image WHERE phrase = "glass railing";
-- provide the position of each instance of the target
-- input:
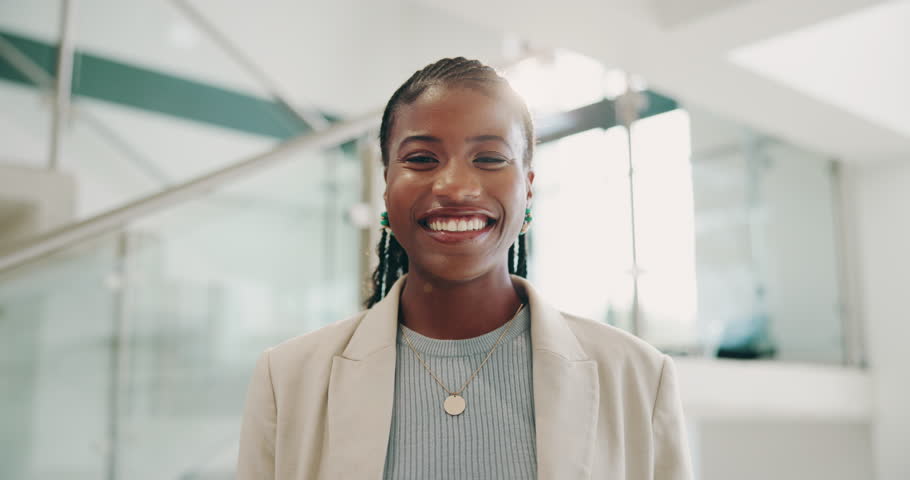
(140, 343)
(731, 249)
(767, 246)
(57, 357)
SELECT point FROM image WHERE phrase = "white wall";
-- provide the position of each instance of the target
(783, 450)
(777, 420)
(880, 208)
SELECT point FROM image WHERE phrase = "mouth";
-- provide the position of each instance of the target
(456, 228)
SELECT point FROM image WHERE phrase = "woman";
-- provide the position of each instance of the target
(459, 369)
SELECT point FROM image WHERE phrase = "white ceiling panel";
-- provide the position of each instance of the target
(859, 62)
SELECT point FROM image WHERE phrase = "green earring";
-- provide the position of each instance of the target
(384, 221)
(527, 224)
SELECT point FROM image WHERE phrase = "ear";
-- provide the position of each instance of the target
(529, 185)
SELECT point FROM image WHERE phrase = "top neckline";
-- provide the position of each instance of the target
(435, 347)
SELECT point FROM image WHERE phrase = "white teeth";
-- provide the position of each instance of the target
(457, 225)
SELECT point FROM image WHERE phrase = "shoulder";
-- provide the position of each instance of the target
(615, 348)
(321, 344)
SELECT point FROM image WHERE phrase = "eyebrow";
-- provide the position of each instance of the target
(432, 139)
(487, 138)
(419, 138)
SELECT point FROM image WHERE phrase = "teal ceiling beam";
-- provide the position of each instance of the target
(600, 114)
(121, 83)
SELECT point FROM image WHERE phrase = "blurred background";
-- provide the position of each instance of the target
(184, 183)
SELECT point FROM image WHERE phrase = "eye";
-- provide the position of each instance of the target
(421, 162)
(490, 163)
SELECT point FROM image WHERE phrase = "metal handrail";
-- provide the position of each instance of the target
(61, 238)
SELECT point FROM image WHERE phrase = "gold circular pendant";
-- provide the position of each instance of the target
(454, 405)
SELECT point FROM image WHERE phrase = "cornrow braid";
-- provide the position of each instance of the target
(397, 263)
(522, 269)
(379, 274)
(448, 72)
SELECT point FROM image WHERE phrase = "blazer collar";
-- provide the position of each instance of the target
(361, 392)
(549, 330)
(379, 328)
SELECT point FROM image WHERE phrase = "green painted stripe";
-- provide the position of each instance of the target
(38, 52)
(600, 114)
(130, 85)
(657, 104)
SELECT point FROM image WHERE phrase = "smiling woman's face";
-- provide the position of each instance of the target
(456, 184)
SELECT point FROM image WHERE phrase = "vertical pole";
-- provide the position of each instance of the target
(63, 83)
(330, 218)
(853, 335)
(120, 352)
(627, 108)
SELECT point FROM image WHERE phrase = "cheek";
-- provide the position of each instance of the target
(400, 196)
(515, 202)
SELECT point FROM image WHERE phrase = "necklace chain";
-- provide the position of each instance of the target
(463, 387)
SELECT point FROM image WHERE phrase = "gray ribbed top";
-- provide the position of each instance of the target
(494, 437)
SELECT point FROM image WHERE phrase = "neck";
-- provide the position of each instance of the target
(449, 310)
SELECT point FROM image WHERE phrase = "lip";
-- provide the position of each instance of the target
(456, 237)
(453, 212)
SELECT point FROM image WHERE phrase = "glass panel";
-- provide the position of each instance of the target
(56, 326)
(582, 226)
(149, 380)
(766, 256)
(736, 248)
(216, 281)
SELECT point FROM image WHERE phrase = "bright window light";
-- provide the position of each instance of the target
(665, 228)
(558, 82)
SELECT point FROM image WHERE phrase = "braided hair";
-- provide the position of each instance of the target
(449, 72)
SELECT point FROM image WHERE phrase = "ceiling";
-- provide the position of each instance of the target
(686, 52)
(825, 74)
(859, 62)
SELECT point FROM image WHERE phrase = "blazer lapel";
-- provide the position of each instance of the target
(360, 397)
(566, 394)
(361, 394)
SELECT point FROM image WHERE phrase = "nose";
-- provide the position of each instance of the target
(457, 181)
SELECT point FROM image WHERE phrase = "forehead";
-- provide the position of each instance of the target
(454, 114)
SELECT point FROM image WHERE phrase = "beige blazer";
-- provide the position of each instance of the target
(606, 405)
